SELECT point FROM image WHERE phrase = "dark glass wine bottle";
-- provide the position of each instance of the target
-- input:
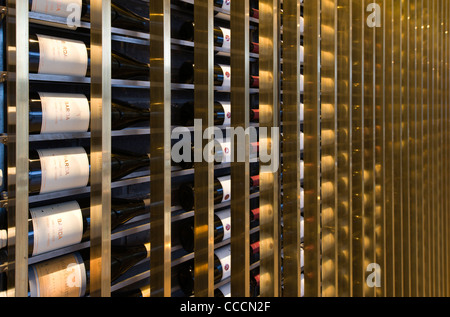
(222, 269)
(222, 75)
(59, 113)
(222, 191)
(57, 226)
(120, 16)
(222, 229)
(60, 56)
(222, 113)
(138, 292)
(53, 170)
(68, 275)
(221, 4)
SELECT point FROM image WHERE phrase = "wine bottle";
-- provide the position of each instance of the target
(61, 56)
(222, 270)
(68, 275)
(138, 292)
(223, 291)
(221, 4)
(222, 37)
(60, 113)
(222, 153)
(222, 191)
(57, 226)
(222, 229)
(80, 10)
(222, 75)
(59, 169)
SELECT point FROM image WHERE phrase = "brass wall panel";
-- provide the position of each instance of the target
(204, 171)
(270, 256)
(312, 143)
(291, 149)
(160, 149)
(100, 173)
(17, 147)
(240, 170)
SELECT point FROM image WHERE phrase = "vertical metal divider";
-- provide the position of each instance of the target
(17, 35)
(380, 165)
(312, 144)
(358, 23)
(160, 148)
(413, 154)
(204, 170)
(240, 169)
(343, 108)
(371, 191)
(270, 229)
(404, 146)
(389, 152)
(291, 149)
(330, 135)
(439, 147)
(446, 147)
(433, 148)
(100, 156)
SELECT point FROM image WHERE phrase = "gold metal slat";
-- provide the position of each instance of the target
(270, 256)
(312, 143)
(203, 170)
(100, 177)
(160, 148)
(17, 155)
(240, 170)
(291, 148)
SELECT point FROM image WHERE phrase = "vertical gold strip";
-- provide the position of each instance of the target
(329, 135)
(100, 178)
(203, 170)
(160, 148)
(404, 145)
(17, 154)
(269, 172)
(446, 147)
(291, 148)
(371, 192)
(433, 147)
(344, 145)
(240, 170)
(380, 166)
(312, 144)
(358, 24)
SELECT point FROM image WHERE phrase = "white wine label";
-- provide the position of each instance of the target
(62, 8)
(63, 168)
(226, 5)
(56, 226)
(62, 56)
(224, 256)
(64, 112)
(226, 76)
(60, 277)
(302, 112)
(3, 238)
(227, 111)
(226, 186)
(225, 217)
(226, 38)
(302, 169)
(225, 147)
(226, 290)
(302, 54)
(302, 83)
(302, 198)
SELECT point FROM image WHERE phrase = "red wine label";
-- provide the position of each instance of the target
(56, 226)
(226, 70)
(64, 112)
(224, 256)
(227, 111)
(226, 186)
(60, 277)
(225, 217)
(62, 56)
(62, 8)
(226, 290)
(226, 38)
(63, 168)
